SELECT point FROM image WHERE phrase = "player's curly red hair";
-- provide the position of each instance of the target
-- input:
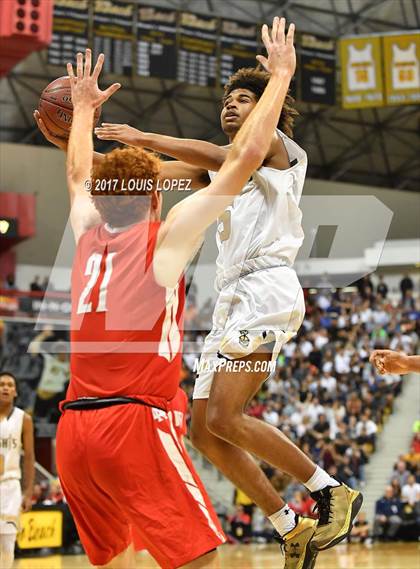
(121, 169)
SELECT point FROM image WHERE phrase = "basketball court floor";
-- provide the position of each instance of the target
(379, 556)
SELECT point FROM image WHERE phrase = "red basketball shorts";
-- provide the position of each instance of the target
(126, 478)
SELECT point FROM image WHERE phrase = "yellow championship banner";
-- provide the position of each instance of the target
(40, 529)
(402, 69)
(361, 72)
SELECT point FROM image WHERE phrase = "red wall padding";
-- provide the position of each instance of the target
(21, 206)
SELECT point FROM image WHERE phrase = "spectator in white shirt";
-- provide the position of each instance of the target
(270, 415)
(380, 317)
(321, 338)
(366, 313)
(275, 385)
(306, 347)
(366, 431)
(355, 317)
(329, 382)
(367, 424)
(342, 362)
(338, 410)
(410, 492)
(314, 410)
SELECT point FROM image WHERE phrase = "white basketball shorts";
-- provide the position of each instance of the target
(263, 307)
(10, 505)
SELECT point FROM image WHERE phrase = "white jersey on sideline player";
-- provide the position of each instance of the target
(11, 445)
(16, 435)
(260, 298)
(10, 489)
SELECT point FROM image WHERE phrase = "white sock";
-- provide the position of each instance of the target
(319, 480)
(284, 520)
(7, 550)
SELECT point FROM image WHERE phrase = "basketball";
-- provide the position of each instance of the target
(56, 108)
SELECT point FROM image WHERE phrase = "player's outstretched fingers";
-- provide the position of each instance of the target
(263, 60)
(70, 73)
(290, 34)
(110, 91)
(275, 29)
(110, 126)
(79, 65)
(109, 130)
(280, 30)
(88, 62)
(266, 37)
(98, 67)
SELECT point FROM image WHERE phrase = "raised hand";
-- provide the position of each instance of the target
(122, 132)
(84, 86)
(56, 140)
(280, 49)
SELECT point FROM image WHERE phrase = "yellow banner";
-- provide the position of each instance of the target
(40, 529)
(50, 562)
(361, 72)
(402, 69)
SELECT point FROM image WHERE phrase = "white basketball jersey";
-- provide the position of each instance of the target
(361, 68)
(11, 445)
(405, 67)
(263, 226)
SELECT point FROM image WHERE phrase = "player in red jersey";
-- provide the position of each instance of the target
(122, 468)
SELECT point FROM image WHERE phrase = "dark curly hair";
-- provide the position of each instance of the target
(123, 166)
(255, 79)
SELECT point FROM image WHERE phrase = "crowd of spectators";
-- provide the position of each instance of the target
(325, 395)
(397, 512)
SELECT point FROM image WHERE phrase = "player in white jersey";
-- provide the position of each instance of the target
(16, 434)
(260, 307)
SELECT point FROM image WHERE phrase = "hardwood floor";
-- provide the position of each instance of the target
(379, 556)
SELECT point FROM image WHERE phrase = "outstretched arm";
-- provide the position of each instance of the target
(198, 153)
(201, 155)
(35, 347)
(86, 97)
(174, 169)
(187, 221)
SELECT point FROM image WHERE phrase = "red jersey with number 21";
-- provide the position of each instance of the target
(126, 335)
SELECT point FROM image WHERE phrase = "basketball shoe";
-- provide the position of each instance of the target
(296, 545)
(337, 507)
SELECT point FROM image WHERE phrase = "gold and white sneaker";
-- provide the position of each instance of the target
(337, 507)
(296, 545)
